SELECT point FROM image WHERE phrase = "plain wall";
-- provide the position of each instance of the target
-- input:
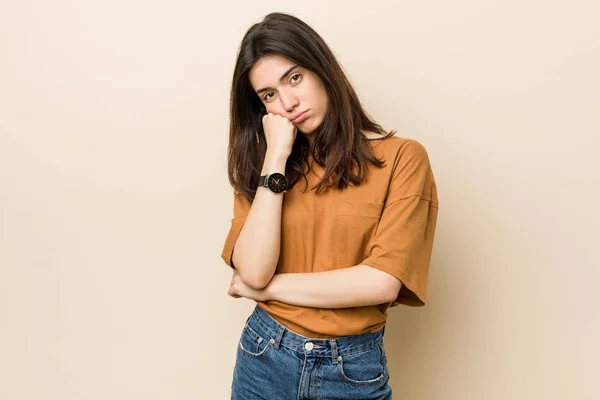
(115, 203)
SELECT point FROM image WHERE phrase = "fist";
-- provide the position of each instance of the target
(280, 133)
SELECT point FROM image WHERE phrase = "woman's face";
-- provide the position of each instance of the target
(290, 91)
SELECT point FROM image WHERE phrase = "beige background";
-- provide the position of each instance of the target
(115, 202)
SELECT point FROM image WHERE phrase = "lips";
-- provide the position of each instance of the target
(299, 116)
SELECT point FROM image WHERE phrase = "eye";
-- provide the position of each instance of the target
(296, 80)
(266, 96)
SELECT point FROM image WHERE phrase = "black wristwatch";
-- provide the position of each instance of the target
(276, 182)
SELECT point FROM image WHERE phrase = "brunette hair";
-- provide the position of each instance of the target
(339, 146)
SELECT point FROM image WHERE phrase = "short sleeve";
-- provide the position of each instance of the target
(241, 208)
(403, 241)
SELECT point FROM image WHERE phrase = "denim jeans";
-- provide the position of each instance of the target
(275, 363)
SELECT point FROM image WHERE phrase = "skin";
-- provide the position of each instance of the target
(299, 90)
(363, 286)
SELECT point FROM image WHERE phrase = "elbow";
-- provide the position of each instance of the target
(390, 297)
(389, 285)
(256, 281)
(253, 275)
(392, 287)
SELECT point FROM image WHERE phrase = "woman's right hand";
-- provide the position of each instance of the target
(280, 134)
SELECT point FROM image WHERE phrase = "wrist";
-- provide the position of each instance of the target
(275, 160)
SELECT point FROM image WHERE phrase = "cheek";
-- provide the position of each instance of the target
(323, 98)
(273, 108)
(319, 97)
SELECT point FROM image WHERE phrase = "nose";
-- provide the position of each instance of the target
(289, 101)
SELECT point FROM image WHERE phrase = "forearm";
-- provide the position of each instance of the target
(355, 286)
(256, 250)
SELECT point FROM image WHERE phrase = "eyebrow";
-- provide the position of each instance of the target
(280, 79)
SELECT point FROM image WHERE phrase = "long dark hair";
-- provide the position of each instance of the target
(339, 146)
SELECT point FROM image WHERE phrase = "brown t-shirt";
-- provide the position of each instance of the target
(387, 223)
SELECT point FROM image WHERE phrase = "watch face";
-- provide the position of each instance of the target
(277, 182)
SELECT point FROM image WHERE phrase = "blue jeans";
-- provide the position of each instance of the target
(275, 363)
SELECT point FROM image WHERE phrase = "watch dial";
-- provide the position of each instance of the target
(277, 182)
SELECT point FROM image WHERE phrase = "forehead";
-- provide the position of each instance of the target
(268, 70)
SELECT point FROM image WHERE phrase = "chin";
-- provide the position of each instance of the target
(308, 130)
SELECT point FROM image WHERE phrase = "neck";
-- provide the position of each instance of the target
(310, 137)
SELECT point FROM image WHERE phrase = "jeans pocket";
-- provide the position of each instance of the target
(365, 368)
(253, 342)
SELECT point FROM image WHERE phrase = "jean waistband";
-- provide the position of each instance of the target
(324, 347)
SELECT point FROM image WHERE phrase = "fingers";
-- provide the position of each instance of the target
(232, 293)
(272, 115)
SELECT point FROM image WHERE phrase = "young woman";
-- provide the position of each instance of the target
(333, 222)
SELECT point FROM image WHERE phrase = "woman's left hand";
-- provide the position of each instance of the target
(238, 289)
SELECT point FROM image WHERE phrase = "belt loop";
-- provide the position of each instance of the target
(279, 336)
(334, 351)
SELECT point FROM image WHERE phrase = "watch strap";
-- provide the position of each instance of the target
(262, 180)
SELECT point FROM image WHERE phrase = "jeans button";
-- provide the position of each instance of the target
(308, 346)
